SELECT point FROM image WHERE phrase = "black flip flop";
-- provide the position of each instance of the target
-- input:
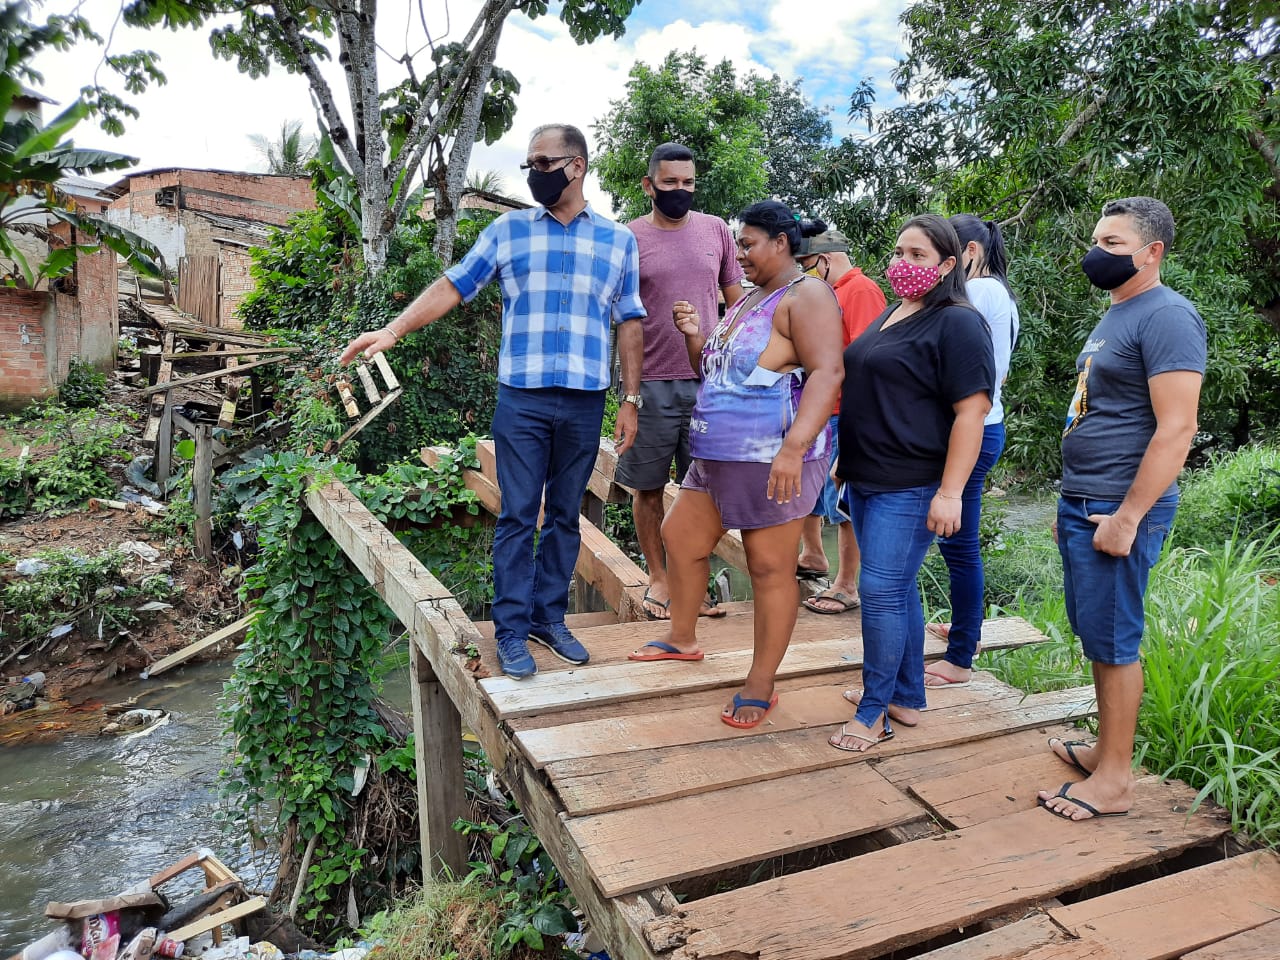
(1069, 746)
(1094, 812)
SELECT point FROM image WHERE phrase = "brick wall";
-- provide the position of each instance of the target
(97, 319)
(235, 281)
(179, 230)
(26, 317)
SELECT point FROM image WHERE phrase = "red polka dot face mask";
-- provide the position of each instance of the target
(911, 281)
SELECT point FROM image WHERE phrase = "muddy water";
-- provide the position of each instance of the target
(88, 816)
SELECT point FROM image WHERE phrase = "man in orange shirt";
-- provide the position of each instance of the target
(826, 256)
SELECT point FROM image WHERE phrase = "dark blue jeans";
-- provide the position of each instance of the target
(546, 443)
(964, 558)
(891, 531)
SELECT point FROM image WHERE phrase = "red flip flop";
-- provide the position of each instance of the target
(739, 701)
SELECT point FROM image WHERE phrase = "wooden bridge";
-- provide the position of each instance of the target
(686, 839)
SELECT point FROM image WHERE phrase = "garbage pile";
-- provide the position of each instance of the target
(142, 924)
(20, 693)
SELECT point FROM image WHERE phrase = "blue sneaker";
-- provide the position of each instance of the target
(557, 638)
(513, 654)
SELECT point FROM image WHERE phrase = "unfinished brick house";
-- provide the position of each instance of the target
(204, 222)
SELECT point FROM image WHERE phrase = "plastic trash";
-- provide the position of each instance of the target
(30, 567)
(137, 471)
(140, 549)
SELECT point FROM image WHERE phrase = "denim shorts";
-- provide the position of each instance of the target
(1104, 594)
(738, 492)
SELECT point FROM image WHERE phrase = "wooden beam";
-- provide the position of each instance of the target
(187, 652)
(437, 735)
(205, 354)
(164, 445)
(364, 421)
(215, 920)
(157, 403)
(202, 486)
(211, 375)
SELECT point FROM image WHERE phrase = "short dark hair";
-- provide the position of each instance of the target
(570, 136)
(1152, 219)
(774, 217)
(942, 237)
(668, 152)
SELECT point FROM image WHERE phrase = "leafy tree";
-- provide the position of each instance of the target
(1034, 114)
(453, 93)
(704, 108)
(35, 155)
(486, 181)
(288, 155)
(754, 137)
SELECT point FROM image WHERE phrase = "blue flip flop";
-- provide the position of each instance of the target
(739, 701)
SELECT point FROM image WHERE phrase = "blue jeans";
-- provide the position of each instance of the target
(546, 443)
(964, 558)
(891, 530)
(827, 506)
(1104, 594)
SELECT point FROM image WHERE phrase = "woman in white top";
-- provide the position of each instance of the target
(985, 263)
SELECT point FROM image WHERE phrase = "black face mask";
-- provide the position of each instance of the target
(1106, 270)
(547, 187)
(673, 204)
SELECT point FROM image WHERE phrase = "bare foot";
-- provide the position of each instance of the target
(1087, 799)
(710, 608)
(942, 673)
(814, 564)
(939, 630)
(853, 737)
(907, 716)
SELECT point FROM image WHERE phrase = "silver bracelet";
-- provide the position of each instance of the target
(392, 332)
(947, 496)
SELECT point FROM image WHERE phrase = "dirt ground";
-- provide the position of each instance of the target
(77, 666)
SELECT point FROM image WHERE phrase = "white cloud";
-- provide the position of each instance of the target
(203, 117)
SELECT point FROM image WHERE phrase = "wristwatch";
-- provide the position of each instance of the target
(634, 399)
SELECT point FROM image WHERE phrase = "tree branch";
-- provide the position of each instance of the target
(1268, 152)
(1073, 129)
(492, 17)
(326, 108)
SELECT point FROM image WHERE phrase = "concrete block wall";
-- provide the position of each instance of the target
(26, 319)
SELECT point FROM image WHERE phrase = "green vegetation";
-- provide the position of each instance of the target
(95, 592)
(69, 465)
(1211, 654)
(310, 289)
(85, 386)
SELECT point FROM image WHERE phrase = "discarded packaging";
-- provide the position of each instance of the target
(140, 549)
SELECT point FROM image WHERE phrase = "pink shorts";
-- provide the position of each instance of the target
(738, 492)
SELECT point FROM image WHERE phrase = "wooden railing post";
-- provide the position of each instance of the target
(437, 734)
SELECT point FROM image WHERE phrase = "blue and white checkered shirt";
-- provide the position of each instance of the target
(562, 287)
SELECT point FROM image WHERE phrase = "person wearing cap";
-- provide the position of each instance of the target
(824, 253)
(685, 256)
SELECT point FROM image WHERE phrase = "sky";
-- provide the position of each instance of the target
(205, 113)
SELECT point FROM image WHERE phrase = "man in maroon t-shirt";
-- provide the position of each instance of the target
(684, 255)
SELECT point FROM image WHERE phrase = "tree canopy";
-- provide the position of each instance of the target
(753, 137)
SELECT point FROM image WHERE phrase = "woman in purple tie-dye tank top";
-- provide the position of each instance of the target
(771, 372)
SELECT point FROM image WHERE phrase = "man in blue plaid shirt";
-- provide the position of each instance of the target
(566, 274)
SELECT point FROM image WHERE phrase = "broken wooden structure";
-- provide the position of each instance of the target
(687, 839)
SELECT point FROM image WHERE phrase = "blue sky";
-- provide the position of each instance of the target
(203, 116)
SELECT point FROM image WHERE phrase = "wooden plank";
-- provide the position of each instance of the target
(216, 920)
(364, 421)
(437, 731)
(819, 704)
(899, 896)
(187, 652)
(1174, 914)
(205, 354)
(227, 413)
(606, 567)
(189, 428)
(152, 433)
(366, 381)
(634, 849)
(384, 368)
(906, 769)
(1260, 943)
(202, 487)
(211, 375)
(964, 799)
(1013, 941)
(629, 778)
(628, 681)
(348, 399)
(164, 445)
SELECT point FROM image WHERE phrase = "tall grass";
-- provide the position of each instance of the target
(1211, 711)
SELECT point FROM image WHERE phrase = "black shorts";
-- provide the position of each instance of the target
(662, 435)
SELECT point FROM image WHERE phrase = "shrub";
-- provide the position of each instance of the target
(84, 387)
(1235, 496)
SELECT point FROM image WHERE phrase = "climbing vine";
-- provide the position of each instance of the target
(301, 700)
